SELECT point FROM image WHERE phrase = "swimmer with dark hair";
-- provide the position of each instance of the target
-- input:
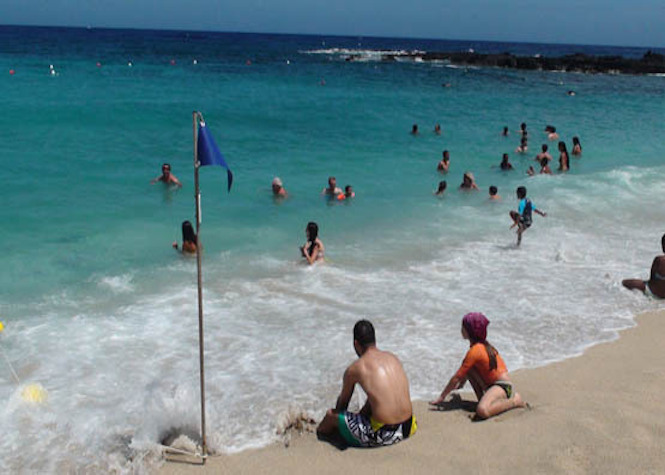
(166, 177)
(437, 129)
(188, 239)
(655, 286)
(564, 159)
(505, 163)
(577, 147)
(444, 164)
(494, 193)
(523, 145)
(414, 129)
(442, 188)
(505, 131)
(313, 248)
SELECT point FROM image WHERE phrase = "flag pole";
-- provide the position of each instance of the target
(196, 116)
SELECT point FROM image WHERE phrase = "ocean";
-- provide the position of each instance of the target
(101, 311)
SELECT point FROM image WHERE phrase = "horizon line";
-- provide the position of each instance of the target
(335, 35)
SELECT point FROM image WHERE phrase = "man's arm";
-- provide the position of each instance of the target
(175, 181)
(348, 383)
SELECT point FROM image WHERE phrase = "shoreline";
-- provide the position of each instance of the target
(593, 413)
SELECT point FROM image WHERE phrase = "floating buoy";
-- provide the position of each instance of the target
(34, 393)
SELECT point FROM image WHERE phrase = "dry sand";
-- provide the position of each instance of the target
(603, 412)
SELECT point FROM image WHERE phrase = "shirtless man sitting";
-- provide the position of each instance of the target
(387, 417)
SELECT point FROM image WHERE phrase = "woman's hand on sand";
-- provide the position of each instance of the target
(437, 402)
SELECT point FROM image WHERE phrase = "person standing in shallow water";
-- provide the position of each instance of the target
(655, 286)
(387, 416)
(444, 164)
(188, 239)
(313, 249)
(522, 218)
(484, 368)
(564, 159)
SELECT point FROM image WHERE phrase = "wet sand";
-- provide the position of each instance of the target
(602, 412)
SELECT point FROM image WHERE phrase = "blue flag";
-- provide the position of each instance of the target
(209, 153)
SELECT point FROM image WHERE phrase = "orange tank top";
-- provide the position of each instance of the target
(478, 359)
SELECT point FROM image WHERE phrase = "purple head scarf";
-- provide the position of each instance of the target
(475, 325)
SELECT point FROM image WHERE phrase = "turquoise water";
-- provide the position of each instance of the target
(100, 310)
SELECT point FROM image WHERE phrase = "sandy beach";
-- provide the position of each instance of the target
(601, 412)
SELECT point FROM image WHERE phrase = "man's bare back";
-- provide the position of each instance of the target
(387, 416)
(382, 377)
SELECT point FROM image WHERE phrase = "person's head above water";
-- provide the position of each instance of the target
(523, 126)
(166, 169)
(544, 147)
(332, 182)
(414, 129)
(504, 158)
(562, 147)
(188, 234)
(576, 140)
(363, 336)
(493, 190)
(312, 231)
(521, 192)
(475, 325)
(277, 185)
(442, 187)
(550, 128)
(446, 155)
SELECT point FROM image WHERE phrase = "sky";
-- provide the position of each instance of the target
(601, 22)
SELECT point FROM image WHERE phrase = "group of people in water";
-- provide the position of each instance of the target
(387, 416)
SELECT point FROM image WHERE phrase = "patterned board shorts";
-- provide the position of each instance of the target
(360, 431)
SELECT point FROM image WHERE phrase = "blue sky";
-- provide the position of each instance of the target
(610, 22)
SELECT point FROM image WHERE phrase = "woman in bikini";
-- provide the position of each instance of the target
(564, 159)
(188, 239)
(577, 147)
(655, 286)
(313, 249)
(484, 368)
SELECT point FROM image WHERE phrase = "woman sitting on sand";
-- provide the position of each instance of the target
(313, 249)
(655, 286)
(468, 182)
(485, 370)
(188, 239)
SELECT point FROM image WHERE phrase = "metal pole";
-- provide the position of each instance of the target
(197, 195)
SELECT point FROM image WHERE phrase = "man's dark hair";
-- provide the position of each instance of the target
(363, 333)
(521, 192)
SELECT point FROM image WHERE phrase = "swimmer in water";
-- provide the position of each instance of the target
(484, 368)
(313, 249)
(494, 193)
(166, 177)
(468, 182)
(564, 160)
(551, 132)
(523, 145)
(531, 171)
(188, 239)
(332, 189)
(414, 129)
(444, 164)
(523, 132)
(544, 154)
(505, 131)
(437, 129)
(441, 189)
(278, 190)
(505, 163)
(655, 286)
(522, 218)
(348, 192)
(544, 167)
(577, 147)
